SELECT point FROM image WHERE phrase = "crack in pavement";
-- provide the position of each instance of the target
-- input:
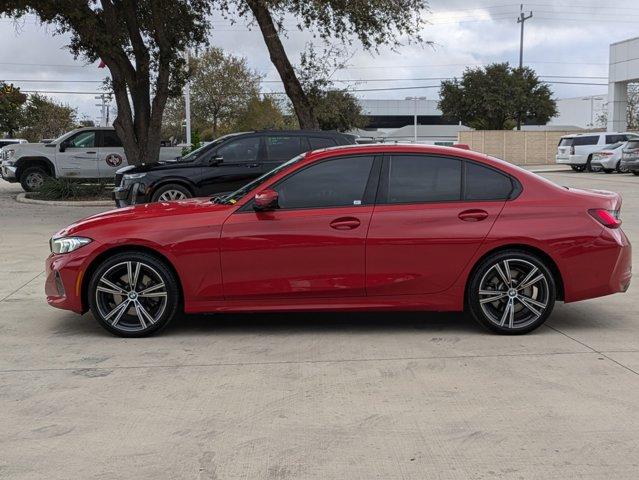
(593, 349)
(20, 287)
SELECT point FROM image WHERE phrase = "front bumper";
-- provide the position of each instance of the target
(65, 276)
(127, 195)
(9, 172)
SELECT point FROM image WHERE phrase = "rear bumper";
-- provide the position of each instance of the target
(571, 159)
(609, 162)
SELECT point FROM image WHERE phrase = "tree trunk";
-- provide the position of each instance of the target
(301, 104)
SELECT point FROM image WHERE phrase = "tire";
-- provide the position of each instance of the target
(635, 172)
(143, 313)
(171, 192)
(620, 169)
(577, 168)
(608, 170)
(524, 316)
(32, 178)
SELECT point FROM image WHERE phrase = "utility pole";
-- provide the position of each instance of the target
(415, 99)
(187, 103)
(105, 100)
(522, 20)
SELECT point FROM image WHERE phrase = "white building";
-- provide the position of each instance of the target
(624, 68)
(582, 112)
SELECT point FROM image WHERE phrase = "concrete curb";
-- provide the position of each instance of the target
(542, 170)
(22, 198)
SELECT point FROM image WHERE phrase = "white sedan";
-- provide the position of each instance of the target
(608, 158)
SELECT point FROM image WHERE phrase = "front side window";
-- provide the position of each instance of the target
(82, 140)
(333, 183)
(240, 150)
(282, 148)
(421, 178)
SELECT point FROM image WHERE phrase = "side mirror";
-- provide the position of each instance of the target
(265, 201)
(216, 160)
(63, 146)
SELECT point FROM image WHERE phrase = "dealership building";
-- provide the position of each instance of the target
(624, 69)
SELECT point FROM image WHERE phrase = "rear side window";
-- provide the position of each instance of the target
(110, 139)
(632, 145)
(565, 142)
(334, 183)
(581, 141)
(616, 138)
(483, 183)
(319, 142)
(282, 148)
(421, 178)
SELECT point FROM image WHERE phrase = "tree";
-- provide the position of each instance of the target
(11, 102)
(141, 42)
(263, 114)
(495, 97)
(222, 86)
(373, 24)
(44, 118)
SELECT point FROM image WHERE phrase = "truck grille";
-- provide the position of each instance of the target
(118, 179)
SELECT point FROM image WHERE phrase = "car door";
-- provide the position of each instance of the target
(110, 153)
(239, 161)
(432, 215)
(313, 245)
(80, 156)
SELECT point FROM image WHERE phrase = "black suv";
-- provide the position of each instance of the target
(219, 167)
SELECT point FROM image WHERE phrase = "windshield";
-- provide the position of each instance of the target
(232, 198)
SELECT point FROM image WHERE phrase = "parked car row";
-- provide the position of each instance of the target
(599, 151)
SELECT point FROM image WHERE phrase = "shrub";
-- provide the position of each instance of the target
(68, 189)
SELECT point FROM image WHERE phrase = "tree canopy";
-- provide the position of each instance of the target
(496, 96)
(141, 42)
(44, 118)
(11, 114)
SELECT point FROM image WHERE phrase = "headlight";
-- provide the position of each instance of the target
(133, 176)
(10, 154)
(68, 244)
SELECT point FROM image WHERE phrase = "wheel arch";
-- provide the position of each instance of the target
(544, 256)
(172, 181)
(86, 278)
(27, 162)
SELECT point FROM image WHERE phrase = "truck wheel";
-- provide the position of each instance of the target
(33, 178)
(170, 193)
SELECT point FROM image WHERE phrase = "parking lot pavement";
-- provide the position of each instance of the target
(321, 396)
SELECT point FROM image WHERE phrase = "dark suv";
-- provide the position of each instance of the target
(219, 167)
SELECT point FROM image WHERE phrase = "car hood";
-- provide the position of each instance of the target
(159, 166)
(24, 149)
(146, 214)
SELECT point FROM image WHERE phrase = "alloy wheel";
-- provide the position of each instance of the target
(131, 296)
(514, 293)
(172, 195)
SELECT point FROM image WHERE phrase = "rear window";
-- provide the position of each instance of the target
(565, 142)
(616, 138)
(580, 141)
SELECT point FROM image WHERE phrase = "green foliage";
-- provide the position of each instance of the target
(68, 189)
(11, 114)
(263, 114)
(44, 118)
(493, 97)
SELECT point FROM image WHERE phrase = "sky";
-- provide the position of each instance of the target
(565, 41)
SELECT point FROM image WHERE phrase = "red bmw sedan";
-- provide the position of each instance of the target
(379, 227)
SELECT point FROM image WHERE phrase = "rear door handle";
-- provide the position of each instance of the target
(475, 215)
(345, 223)
(91, 153)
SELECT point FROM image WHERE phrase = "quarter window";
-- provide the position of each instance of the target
(483, 183)
(110, 139)
(333, 183)
(280, 148)
(240, 150)
(416, 179)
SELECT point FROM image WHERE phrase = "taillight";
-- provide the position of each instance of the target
(572, 150)
(608, 218)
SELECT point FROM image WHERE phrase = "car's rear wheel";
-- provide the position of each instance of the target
(170, 193)
(133, 294)
(33, 178)
(577, 168)
(511, 292)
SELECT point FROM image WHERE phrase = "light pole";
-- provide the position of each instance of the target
(592, 108)
(415, 99)
(187, 103)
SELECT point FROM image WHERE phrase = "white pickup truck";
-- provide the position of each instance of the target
(85, 154)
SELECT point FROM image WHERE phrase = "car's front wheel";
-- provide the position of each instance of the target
(511, 292)
(133, 294)
(170, 193)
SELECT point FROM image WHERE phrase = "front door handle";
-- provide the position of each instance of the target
(91, 153)
(345, 223)
(474, 215)
(252, 165)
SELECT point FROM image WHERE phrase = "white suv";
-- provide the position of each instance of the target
(577, 150)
